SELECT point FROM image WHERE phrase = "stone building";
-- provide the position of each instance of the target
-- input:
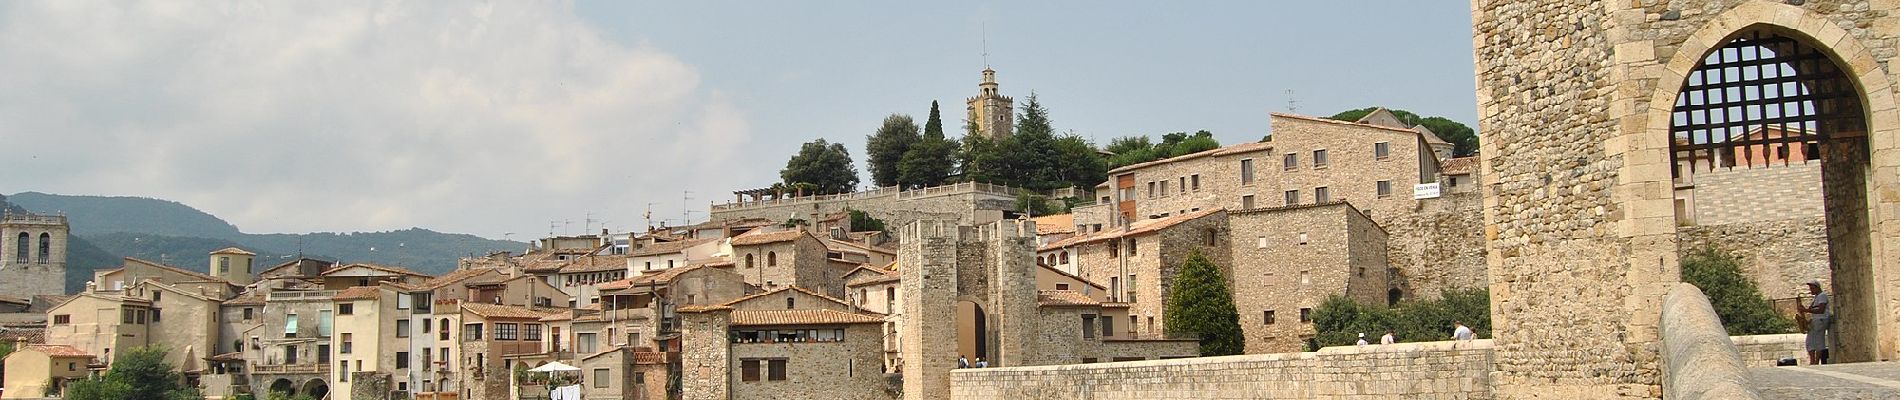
(233, 265)
(32, 254)
(1294, 257)
(991, 114)
(665, 255)
(969, 202)
(489, 334)
(1137, 264)
(1580, 130)
(793, 258)
(788, 343)
(38, 371)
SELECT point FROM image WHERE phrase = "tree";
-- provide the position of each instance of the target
(930, 161)
(979, 160)
(825, 165)
(863, 222)
(1027, 153)
(885, 149)
(6, 348)
(1464, 140)
(1339, 320)
(139, 373)
(1077, 164)
(1200, 304)
(1740, 304)
(1035, 204)
(1132, 150)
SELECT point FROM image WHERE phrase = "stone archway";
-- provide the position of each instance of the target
(282, 385)
(973, 331)
(1858, 233)
(316, 388)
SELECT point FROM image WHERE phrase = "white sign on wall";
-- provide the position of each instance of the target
(1425, 191)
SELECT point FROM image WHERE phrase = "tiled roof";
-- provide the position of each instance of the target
(595, 263)
(501, 311)
(699, 309)
(873, 280)
(1334, 121)
(15, 300)
(1430, 137)
(32, 335)
(247, 299)
(1459, 166)
(1137, 228)
(661, 276)
(357, 293)
(776, 291)
(233, 250)
(1054, 224)
(1064, 298)
(1238, 148)
(1072, 276)
(801, 317)
(846, 246)
(58, 350)
(384, 268)
(231, 356)
(756, 238)
(447, 279)
(669, 247)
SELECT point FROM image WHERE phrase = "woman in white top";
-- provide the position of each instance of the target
(1818, 319)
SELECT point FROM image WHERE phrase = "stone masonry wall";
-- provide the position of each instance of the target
(1780, 256)
(1765, 350)
(704, 354)
(1751, 194)
(34, 276)
(1290, 259)
(1440, 246)
(832, 370)
(1406, 370)
(954, 202)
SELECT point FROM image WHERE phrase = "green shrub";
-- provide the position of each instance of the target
(1743, 309)
(1200, 304)
(1340, 320)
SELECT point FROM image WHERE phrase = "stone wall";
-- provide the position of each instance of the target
(1780, 256)
(1765, 350)
(1407, 370)
(850, 369)
(1698, 359)
(1740, 195)
(896, 208)
(28, 275)
(1437, 247)
(704, 353)
(1290, 259)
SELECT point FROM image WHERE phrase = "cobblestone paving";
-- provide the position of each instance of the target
(1839, 381)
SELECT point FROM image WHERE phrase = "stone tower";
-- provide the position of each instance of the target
(234, 265)
(943, 264)
(32, 254)
(991, 113)
(1585, 107)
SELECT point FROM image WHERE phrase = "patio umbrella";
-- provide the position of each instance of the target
(556, 366)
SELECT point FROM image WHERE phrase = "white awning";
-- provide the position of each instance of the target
(556, 366)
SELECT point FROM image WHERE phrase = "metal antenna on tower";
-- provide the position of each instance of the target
(986, 45)
(649, 216)
(587, 221)
(1292, 105)
(686, 207)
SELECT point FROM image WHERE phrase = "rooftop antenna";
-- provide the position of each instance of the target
(686, 207)
(551, 225)
(986, 45)
(588, 222)
(1292, 104)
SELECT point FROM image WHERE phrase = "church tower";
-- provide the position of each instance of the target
(991, 112)
(32, 254)
(232, 264)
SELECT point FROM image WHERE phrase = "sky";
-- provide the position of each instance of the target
(519, 119)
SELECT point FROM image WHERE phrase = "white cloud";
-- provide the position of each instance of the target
(326, 116)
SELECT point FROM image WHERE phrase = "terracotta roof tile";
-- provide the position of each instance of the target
(58, 350)
(384, 268)
(801, 317)
(1137, 228)
(447, 279)
(191, 273)
(501, 311)
(1459, 166)
(755, 238)
(247, 299)
(357, 293)
(233, 250)
(1238, 148)
(776, 291)
(595, 263)
(1064, 298)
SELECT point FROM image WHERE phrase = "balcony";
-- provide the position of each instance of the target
(301, 295)
(627, 314)
(291, 369)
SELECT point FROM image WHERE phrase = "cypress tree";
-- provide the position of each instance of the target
(1200, 304)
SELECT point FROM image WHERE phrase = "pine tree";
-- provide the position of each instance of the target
(826, 166)
(885, 149)
(932, 160)
(1200, 304)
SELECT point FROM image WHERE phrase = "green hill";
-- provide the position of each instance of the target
(104, 229)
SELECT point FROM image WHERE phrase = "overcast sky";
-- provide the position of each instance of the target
(496, 118)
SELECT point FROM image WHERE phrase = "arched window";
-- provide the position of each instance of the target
(24, 247)
(46, 248)
(790, 302)
(771, 259)
(1065, 257)
(748, 261)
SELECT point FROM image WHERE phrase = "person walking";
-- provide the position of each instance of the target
(1818, 321)
(1387, 339)
(1362, 339)
(1461, 332)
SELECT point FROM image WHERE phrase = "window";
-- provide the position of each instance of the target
(1319, 158)
(224, 265)
(1246, 171)
(323, 352)
(1322, 194)
(1385, 189)
(1063, 257)
(422, 303)
(346, 309)
(1266, 317)
(62, 319)
(1114, 285)
(247, 313)
(1260, 242)
(771, 259)
(531, 332)
(1164, 188)
(324, 319)
(749, 370)
(584, 343)
(290, 325)
(472, 332)
(1151, 189)
(748, 261)
(507, 332)
(775, 369)
(402, 359)
(1381, 150)
(445, 356)
(1306, 315)
(1062, 286)
(1292, 197)
(1246, 202)
(1291, 161)
(343, 371)
(1133, 244)
(425, 357)
(1210, 236)
(601, 377)
(403, 301)
(442, 332)
(347, 345)
(639, 378)
(402, 328)
(1131, 287)
(1183, 186)
(791, 302)
(1108, 326)
(23, 247)
(46, 248)
(1088, 326)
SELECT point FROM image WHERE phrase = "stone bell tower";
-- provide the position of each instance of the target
(32, 254)
(992, 113)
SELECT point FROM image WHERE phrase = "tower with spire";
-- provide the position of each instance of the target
(991, 113)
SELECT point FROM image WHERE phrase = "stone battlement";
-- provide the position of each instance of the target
(32, 219)
(1422, 370)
